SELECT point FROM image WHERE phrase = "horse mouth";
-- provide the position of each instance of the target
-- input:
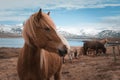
(62, 52)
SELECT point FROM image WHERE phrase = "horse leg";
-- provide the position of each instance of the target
(88, 52)
(104, 51)
(70, 57)
(57, 76)
(75, 54)
(85, 51)
(63, 59)
(96, 52)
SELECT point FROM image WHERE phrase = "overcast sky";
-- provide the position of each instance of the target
(77, 14)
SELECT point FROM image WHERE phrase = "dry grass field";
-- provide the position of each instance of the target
(84, 68)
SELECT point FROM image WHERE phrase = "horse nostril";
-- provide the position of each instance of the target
(65, 51)
(62, 52)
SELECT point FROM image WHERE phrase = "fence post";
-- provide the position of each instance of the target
(118, 49)
(114, 54)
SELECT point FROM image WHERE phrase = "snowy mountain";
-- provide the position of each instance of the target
(11, 29)
(109, 33)
(68, 33)
(80, 31)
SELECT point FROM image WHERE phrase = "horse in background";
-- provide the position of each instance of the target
(73, 53)
(70, 55)
(93, 45)
(40, 57)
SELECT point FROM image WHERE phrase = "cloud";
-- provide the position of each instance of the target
(19, 10)
(14, 16)
(54, 4)
(111, 21)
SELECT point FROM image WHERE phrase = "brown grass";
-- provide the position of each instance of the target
(84, 68)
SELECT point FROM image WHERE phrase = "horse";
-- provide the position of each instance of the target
(73, 53)
(40, 57)
(70, 55)
(93, 45)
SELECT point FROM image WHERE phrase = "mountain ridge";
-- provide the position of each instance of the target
(6, 30)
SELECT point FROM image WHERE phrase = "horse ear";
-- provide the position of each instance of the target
(39, 15)
(48, 13)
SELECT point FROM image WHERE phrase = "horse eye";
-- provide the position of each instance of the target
(47, 29)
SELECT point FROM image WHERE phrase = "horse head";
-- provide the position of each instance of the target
(40, 32)
(104, 41)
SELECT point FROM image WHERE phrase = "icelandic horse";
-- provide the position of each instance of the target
(40, 57)
(93, 45)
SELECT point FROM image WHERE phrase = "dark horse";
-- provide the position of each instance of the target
(95, 45)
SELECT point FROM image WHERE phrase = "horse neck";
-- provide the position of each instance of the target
(30, 54)
(31, 51)
(36, 56)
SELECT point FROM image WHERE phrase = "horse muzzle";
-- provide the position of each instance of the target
(63, 52)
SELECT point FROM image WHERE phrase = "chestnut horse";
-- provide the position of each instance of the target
(40, 57)
(93, 45)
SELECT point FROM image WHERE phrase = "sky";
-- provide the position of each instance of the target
(72, 15)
